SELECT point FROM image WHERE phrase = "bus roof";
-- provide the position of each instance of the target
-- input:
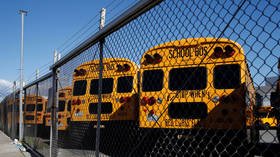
(195, 50)
(110, 65)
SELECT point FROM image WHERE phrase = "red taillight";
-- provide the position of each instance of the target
(119, 68)
(60, 116)
(124, 99)
(151, 112)
(144, 101)
(157, 58)
(126, 67)
(229, 51)
(218, 52)
(61, 94)
(152, 101)
(149, 59)
(76, 102)
(81, 72)
(123, 68)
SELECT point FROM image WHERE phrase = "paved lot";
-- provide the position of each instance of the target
(7, 149)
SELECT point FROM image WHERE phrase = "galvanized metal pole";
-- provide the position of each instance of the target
(54, 131)
(23, 13)
(102, 22)
(13, 112)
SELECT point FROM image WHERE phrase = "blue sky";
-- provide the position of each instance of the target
(48, 25)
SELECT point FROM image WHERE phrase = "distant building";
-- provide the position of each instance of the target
(271, 81)
(264, 91)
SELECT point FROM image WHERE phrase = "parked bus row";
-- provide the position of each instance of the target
(200, 84)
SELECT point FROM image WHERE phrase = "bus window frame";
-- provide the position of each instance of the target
(162, 84)
(186, 67)
(85, 91)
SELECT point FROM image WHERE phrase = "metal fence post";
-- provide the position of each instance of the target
(13, 110)
(102, 22)
(53, 137)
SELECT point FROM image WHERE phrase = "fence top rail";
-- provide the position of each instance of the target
(132, 13)
(42, 78)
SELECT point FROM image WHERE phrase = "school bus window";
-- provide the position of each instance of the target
(69, 106)
(188, 78)
(39, 107)
(187, 110)
(107, 86)
(80, 87)
(48, 109)
(125, 84)
(61, 106)
(16, 108)
(227, 76)
(30, 107)
(152, 80)
(10, 108)
(106, 108)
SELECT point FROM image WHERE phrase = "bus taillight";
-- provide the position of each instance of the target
(229, 51)
(61, 94)
(149, 59)
(144, 101)
(126, 67)
(155, 59)
(60, 116)
(218, 52)
(152, 101)
(124, 99)
(76, 102)
(81, 72)
(123, 68)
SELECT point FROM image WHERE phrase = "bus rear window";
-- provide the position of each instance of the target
(30, 107)
(106, 108)
(187, 110)
(227, 76)
(152, 80)
(39, 107)
(125, 84)
(80, 88)
(107, 86)
(61, 106)
(188, 78)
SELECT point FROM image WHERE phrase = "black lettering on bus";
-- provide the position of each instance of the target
(110, 67)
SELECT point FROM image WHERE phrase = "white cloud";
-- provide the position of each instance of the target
(6, 87)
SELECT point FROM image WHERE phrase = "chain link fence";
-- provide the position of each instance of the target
(167, 78)
(36, 109)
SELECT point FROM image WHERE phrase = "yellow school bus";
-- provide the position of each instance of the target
(64, 108)
(10, 103)
(119, 97)
(119, 88)
(266, 117)
(34, 109)
(196, 83)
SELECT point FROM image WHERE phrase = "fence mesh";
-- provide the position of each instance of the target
(185, 78)
(36, 130)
